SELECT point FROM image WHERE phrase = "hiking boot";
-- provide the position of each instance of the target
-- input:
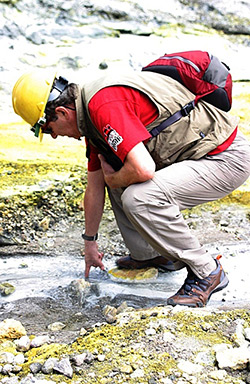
(196, 292)
(160, 262)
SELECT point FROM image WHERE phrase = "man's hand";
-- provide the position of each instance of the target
(108, 171)
(93, 258)
(138, 167)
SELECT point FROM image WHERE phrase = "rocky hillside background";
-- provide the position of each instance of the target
(96, 34)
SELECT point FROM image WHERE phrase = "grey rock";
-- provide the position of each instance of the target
(10, 380)
(110, 313)
(23, 344)
(19, 359)
(103, 65)
(89, 358)
(125, 16)
(7, 369)
(239, 336)
(6, 357)
(205, 357)
(49, 364)
(16, 368)
(36, 38)
(78, 360)
(6, 240)
(122, 308)
(38, 341)
(30, 379)
(35, 367)
(234, 358)
(101, 357)
(64, 367)
(56, 326)
(189, 367)
(218, 374)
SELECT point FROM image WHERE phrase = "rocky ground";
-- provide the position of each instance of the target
(91, 335)
(158, 345)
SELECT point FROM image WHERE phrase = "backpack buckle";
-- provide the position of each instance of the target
(187, 108)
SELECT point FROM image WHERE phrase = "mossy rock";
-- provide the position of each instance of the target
(6, 289)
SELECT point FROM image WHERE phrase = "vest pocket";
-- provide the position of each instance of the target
(173, 142)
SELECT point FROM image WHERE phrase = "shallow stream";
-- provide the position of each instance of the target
(44, 274)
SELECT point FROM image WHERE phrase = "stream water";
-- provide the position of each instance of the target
(41, 275)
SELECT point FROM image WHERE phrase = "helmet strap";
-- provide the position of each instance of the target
(37, 127)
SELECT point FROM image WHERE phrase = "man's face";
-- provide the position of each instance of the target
(65, 125)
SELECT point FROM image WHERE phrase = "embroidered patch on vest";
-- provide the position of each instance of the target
(112, 137)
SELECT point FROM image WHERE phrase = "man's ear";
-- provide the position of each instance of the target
(63, 112)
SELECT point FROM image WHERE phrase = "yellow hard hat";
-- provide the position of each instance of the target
(32, 92)
(30, 95)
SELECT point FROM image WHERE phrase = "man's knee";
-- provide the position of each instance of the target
(132, 198)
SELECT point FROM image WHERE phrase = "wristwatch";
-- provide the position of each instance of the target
(90, 238)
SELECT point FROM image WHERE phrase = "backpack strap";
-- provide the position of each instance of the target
(184, 111)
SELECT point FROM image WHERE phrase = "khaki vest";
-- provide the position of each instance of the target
(191, 137)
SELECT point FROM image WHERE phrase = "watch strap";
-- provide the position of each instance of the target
(90, 238)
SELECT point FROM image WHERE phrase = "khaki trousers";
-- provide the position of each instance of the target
(149, 214)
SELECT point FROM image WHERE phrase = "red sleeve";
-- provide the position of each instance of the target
(120, 114)
(92, 155)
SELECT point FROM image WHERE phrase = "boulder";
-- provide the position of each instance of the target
(11, 329)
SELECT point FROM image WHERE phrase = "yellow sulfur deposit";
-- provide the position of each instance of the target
(133, 276)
